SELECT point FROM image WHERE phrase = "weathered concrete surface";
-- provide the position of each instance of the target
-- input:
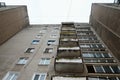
(12, 20)
(105, 19)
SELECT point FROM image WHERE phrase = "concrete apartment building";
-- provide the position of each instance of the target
(66, 51)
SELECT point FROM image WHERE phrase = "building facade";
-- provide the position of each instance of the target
(66, 51)
(105, 19)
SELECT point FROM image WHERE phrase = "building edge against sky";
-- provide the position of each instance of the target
(37, 51)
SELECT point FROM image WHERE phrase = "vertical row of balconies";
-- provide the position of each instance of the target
(68, 59)
(97, 58)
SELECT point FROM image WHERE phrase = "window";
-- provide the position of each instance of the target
(90, 69)
(104, 69)
(30, 50)
(103, 78)
(99, 69)
(96, 55)
(50, 42)
(35, 41)
(84, 46)
(116, 69)
(48, 50)
(22, 60)
(100, 60)
(11, 76)
(44, 61)
(107, 69)
(39, 76)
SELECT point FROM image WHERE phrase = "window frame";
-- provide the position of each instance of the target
(43, 61)
(13, 74)
(23, 62)
(39, 76)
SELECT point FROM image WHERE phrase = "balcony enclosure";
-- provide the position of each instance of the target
(85, 33)
(88, 39)
(68, 52)
(68, 78)
(68, 32)
(68, 36)
(69, 65)
(68, 44)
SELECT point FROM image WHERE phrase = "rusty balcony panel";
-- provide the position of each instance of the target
(68, 37)
(68, 44)
(69, 65)
(68, 32)
(68, 53)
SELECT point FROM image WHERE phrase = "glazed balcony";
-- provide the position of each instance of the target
(69, 65)
(79, 33)
(88, 39)
(92, 47)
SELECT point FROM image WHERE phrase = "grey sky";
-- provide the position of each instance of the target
(57, 11)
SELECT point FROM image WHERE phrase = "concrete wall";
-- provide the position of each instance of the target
(105, 19)
(12, 20)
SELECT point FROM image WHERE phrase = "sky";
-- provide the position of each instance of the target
(57, 11)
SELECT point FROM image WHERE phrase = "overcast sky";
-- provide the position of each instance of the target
(57, 11)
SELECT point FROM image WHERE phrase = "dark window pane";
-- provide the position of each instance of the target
(112, 78)
(103, 78)
(116, 69)
(36, 77)
(106, 55)
(103, 60)
(92, 78)
(99, 69)
(90, 69)
(107, 69)
(98, 55)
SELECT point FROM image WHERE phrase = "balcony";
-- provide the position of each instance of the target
(88, 39)
(69, 65)
(93, 47)
(68, 78)
(67, 36)
(68, 32)
(68, 44)
(80, 33)
(68, 26)
(68, 52)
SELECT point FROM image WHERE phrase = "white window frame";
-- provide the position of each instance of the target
(39, 75)
(43, 62)
(22, 61)
(14, 75)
